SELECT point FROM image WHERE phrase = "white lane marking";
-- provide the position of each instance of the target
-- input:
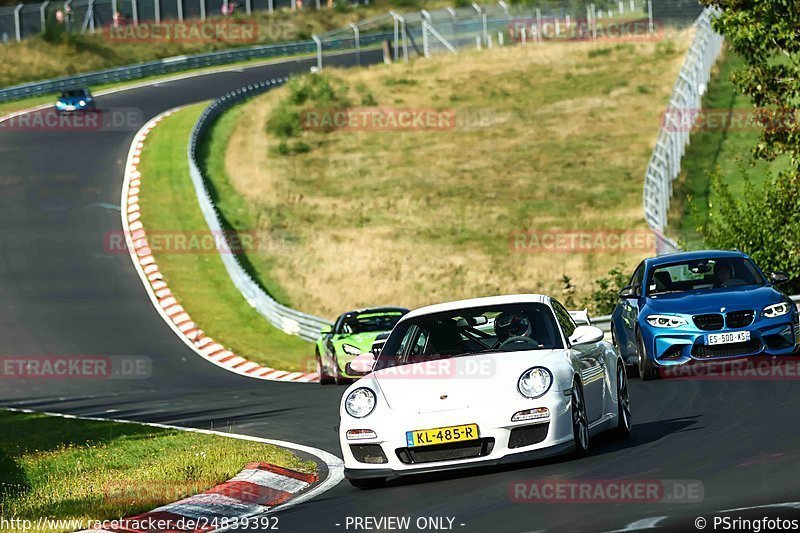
(783, 505)
(334, 464)
(644, 523)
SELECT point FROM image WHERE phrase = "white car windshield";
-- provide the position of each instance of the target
(498, 328)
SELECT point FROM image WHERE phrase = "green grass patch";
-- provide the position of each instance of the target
(727, 147)
(199, 280)
(88, 470)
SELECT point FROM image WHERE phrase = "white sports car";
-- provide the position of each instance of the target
(480, 382)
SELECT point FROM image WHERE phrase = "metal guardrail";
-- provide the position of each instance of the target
(290, 321)
(679, 117)
(176, 64)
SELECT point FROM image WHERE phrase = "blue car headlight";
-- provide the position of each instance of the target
(665, 321)
(776, 310)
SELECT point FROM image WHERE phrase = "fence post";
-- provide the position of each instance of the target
(157, 10)
(650, 15)
(248, 6)
(270, 7)
(68, 15)
(319, 50)
(43, 14)
(357, 36)
(425, 46)
(539, 35)
(396, 34)
(135, 12)
(404, 28)
(17, 24)
(179, 4)
(90, 15)
(504, 6)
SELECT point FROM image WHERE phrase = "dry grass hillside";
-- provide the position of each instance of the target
(547, 137)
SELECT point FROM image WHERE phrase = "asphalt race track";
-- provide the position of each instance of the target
(61, 293)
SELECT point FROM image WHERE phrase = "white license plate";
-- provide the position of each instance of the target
(727, 338)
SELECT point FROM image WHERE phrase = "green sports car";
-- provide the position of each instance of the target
(353, 333)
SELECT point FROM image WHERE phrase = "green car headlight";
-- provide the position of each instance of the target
(349, 349)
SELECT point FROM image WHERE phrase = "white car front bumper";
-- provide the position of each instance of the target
(387, 455)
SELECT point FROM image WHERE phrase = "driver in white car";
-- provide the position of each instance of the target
(508, 325)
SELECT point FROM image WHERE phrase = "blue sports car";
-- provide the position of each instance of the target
(700, 306)
(75, 100)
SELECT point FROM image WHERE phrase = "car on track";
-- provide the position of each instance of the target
(72, 100)
(480, 382)
(700, 306)
(353, 333)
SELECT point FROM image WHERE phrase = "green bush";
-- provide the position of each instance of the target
(606, 294)
(764, 223)
(284, 122)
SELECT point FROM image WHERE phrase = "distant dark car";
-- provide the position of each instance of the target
(699, 306)
(73, 100)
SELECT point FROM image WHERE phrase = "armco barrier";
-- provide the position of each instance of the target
(177, 64)
(289, 320)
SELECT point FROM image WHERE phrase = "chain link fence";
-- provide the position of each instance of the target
(673, 137)
(290, 321)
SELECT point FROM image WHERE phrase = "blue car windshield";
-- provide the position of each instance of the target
(74, 93)
(703, 274)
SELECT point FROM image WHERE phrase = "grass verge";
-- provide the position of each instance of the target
(717, 144)
(87, 470)
(547, 138)
(199, 279)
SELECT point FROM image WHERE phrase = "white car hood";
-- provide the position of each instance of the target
(460, 382)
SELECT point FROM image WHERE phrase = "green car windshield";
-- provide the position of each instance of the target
(371, 322)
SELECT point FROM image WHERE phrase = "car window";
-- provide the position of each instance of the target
(463, 332)
(564, 319)
(637, 278)
(703, 274)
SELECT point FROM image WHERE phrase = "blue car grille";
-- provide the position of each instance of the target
(709, 322)
(739, 319)
(727, 350)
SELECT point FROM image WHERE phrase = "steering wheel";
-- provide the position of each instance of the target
(519, 339)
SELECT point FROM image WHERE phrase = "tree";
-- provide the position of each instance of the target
(766, 34)
(765, 222)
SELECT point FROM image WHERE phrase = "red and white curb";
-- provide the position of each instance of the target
(163, 299)
(254, 491)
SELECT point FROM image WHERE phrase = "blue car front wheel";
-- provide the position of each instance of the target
(647, 370)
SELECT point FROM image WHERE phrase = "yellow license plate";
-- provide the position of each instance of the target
(429, 437)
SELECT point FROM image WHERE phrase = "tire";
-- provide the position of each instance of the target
(324, 379)
(337, 375)
(580, 421)
(624, 423)
(369, 483)
(647, 369)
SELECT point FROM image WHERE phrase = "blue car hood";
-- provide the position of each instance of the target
(710, 301)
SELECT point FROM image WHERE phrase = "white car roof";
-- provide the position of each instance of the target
(479, 302)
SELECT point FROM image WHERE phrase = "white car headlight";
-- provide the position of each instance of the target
(665, 321)
(349, 349)
(360, 402)
(82, 103)
(535, 382)
(776, 310)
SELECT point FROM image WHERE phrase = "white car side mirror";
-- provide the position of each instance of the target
(586, 335)
(362, 364)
